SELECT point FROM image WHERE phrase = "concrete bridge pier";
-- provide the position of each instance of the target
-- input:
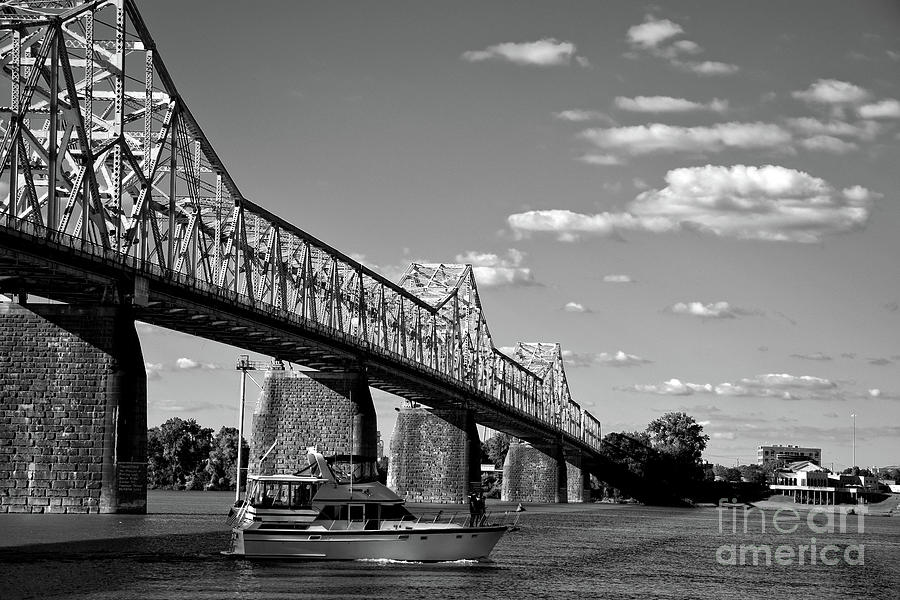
(534, 474)
(299, 409)
(578, 481)
(73, 410)
(435, 455)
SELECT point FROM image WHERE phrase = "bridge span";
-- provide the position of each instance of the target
(112, 196)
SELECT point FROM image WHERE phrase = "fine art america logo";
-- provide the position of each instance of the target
(819, 520)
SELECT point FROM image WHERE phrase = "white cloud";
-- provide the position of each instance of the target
(575, 307)
(879, 394)
(659, 137)
(884, 109)
(542, 53)
(893, 55)
(783, 381)
(653, 36)
(723, 435)
(762, 203)
(667, 104)
(827, 143)
(570, 226)
(492, 270)
(608, 359)
(770, 203)
(712, 310)
(604, 160)
(770, 385)
(832, 91)
(687, 47)
(153, 370)
(577, 115)
(814, 356)
(578, 359)
(863, 130)
(652, 32)
(187, 363)
(617, 279)
(709, 67)
(620, 359)
(672, 387)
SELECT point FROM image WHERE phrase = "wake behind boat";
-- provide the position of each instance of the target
(318, 513)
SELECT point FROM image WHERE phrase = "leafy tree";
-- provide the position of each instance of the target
(496, 447)
(678, 435)
(721, 471)
(178, 454)
(221, 466)
(159, 474)
(752, 473)
(491, 484)
(631, 450)
(732, 474)
(770, 467)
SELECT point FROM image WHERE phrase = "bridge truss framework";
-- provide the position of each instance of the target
(108, 182)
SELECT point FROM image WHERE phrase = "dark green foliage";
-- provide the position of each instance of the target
(664, 460)
(221, 466)
(495, 448)
(491, 484)
(752, 473)
(732, 474)
(178, 452)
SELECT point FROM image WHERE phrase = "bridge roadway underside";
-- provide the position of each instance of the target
(59, 272)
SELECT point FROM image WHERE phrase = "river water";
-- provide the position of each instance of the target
(561, 551)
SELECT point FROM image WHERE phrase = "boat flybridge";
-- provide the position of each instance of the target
(319, 513)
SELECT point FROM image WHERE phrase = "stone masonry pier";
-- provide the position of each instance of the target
(532, 474)
(73, 410)
(299, 409)
(435, 455)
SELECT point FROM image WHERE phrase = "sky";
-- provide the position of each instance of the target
(697, 200)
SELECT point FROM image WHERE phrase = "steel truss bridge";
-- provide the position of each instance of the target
(111, 192)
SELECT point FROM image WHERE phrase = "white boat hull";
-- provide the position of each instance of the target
(421, 545)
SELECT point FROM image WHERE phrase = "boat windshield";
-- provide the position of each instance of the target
(365, 469)
(282, 494)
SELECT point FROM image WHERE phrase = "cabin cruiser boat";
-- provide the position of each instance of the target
(319, 513)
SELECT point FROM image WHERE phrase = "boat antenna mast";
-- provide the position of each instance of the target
(351, 439)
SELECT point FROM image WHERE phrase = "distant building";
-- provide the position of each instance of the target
(788, 453)
(809, 483)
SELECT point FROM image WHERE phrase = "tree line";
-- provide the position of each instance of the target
(663, 461)
(182, 455)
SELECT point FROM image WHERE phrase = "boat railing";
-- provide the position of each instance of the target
(505, 518)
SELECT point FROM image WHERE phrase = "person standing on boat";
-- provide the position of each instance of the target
(473, 509)
(479, 509)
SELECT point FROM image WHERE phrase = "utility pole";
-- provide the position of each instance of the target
(243, 359)
(853, 415)
(243, 365)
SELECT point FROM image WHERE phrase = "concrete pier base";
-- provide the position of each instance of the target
(73, 410)
(300, 409)
(578, 481)
(434, 455)
(531, 474)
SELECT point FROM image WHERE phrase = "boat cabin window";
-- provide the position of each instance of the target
(363, 469)
(282, 494)
(357, 512)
